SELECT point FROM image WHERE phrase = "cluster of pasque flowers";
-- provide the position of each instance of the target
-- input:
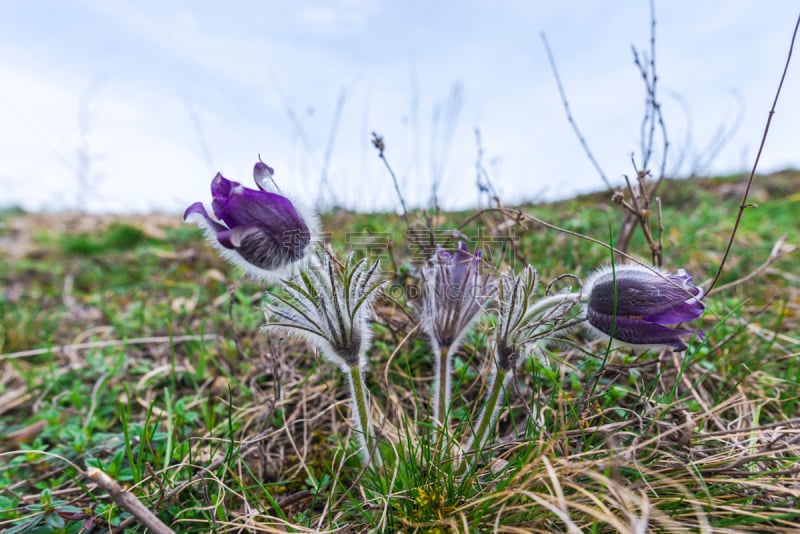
(331, 304)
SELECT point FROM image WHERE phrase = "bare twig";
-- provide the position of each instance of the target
(722, 136)
(638, 211)
(482, 180)
(642, 197)
(83, 172)
(660, 227)
(571, 120)
(128, 501)
(445, 118)
(775, 254)
(377, 142)
(323, 178)
(202, 140)
(744, 205)
(652, 114)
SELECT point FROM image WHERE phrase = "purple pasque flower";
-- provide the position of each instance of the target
(636, 305)
(454, 292)
(257, 229)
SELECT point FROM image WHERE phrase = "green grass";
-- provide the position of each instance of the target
(142, 356)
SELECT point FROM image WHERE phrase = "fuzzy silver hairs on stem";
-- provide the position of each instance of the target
(330, 307)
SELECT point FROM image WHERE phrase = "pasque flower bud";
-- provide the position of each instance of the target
(636, 305)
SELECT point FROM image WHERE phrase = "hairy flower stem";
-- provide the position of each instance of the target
(361, 421)
(442, 389)
(553, 302)
(487, 417)
(443, 386)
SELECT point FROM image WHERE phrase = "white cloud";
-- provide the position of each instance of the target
(337, 18)
(241, 66)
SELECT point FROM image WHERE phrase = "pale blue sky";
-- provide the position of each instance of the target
(175, 91)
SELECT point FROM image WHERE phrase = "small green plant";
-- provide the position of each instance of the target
(117, 236)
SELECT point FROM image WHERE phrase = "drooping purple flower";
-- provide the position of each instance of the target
(636, 305)
(257, 229)
(455, 291)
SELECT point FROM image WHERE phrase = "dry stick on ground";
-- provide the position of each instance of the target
(128, 501)
(744, 205)
(110, 343)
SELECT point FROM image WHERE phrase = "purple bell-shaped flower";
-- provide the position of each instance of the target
(257, 229)
(637, 305)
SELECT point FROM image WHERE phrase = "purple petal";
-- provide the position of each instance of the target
(637, 331)
(199, 209)
(262, 174)
(71, 515)
(271, 212)
(221, 187)
(225, 238)
(685, 311)
(462, 263)
(685, 280)
(452, 291)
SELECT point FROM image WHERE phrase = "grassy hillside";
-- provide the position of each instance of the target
(128, 345)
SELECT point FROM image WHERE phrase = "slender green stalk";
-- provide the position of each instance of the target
(512, 329)
(361, 422)
(487, 417)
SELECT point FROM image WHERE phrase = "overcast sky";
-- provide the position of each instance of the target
(159, 96)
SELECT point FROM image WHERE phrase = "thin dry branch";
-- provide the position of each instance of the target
(377, 142)
(482, 180)
(744, 205)
(775, 254)
(326, 162)
(571, 120)
(653, 116)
